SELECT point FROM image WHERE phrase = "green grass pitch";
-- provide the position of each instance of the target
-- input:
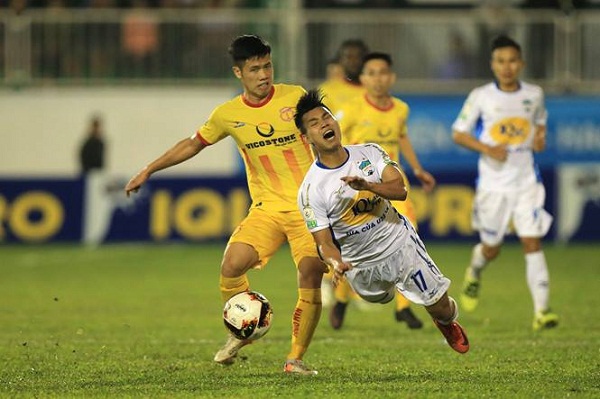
(145, 321)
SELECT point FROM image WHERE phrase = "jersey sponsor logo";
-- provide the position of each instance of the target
(275, 141)
(265, 129)
(287, 113)
(511, 131)
(366, 205)
(370, 224)
(366, 167)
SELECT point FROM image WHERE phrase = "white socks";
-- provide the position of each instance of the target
(538, 280)
(478, 262)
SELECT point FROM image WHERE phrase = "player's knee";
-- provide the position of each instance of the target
(490, 253)
(238, 259)
(531, 245)
(310, 272)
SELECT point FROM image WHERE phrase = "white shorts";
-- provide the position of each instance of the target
(494, 211)
(410, 270)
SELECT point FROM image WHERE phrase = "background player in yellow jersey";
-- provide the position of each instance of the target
(378, 117)
(337, 90)
(261, 121)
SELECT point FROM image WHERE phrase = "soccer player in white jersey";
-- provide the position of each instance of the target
(508, 118)
(345, 201)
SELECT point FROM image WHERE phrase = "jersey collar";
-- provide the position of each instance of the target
(320, 165)
(503, 91)
(263, 102)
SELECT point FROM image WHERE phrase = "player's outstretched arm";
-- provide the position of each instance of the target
(182, 151)
(408, 153)
(331, 254)
(391, 187)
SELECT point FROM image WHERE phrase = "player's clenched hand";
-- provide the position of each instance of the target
(498, 152)
(427, 180)
(357, 183)
(339, 268)
(136, 182)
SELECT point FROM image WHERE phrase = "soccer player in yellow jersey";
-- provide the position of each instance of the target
(378, 117)
(336, 90)
(261, 121)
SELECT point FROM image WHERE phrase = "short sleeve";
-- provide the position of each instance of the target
(312, 207)
(469, 114)
(213, 130)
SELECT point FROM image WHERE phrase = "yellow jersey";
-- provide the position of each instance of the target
(275, 157)
(364, 122)
(338, 92)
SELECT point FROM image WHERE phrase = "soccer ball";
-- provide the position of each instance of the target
(248, 315)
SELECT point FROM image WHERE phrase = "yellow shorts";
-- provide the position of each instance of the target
(267, 230)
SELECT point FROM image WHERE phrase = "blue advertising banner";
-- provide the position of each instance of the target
(40, 210)
(96, 210)
(573, 133)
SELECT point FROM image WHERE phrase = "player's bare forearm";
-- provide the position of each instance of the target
(391, 187)
(539, 139)
(466, 140)
(408, 153)
(331, 254)
(182, 151)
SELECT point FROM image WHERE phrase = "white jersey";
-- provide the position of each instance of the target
(365, 226)
(496, 117)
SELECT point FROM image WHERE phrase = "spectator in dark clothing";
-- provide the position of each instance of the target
(91, 155)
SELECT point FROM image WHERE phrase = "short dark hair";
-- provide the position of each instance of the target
(377, 56)
(358, 43)
(245, 47)
(309, 101)
(505, 41)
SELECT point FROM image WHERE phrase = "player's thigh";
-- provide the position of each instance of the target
(301, 241)
(491, 216)
(420, 280)
(262, 231)
(530, 218)
(375, 284)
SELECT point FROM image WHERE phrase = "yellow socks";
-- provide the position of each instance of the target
(401, 302)
(343, 291)
(304, 321)
(232, 285)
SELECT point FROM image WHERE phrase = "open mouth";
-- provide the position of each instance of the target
(329, 135)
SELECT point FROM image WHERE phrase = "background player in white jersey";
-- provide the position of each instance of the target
(345, 201)
(511, 117)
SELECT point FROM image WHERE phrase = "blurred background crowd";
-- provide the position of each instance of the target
(184, 41)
